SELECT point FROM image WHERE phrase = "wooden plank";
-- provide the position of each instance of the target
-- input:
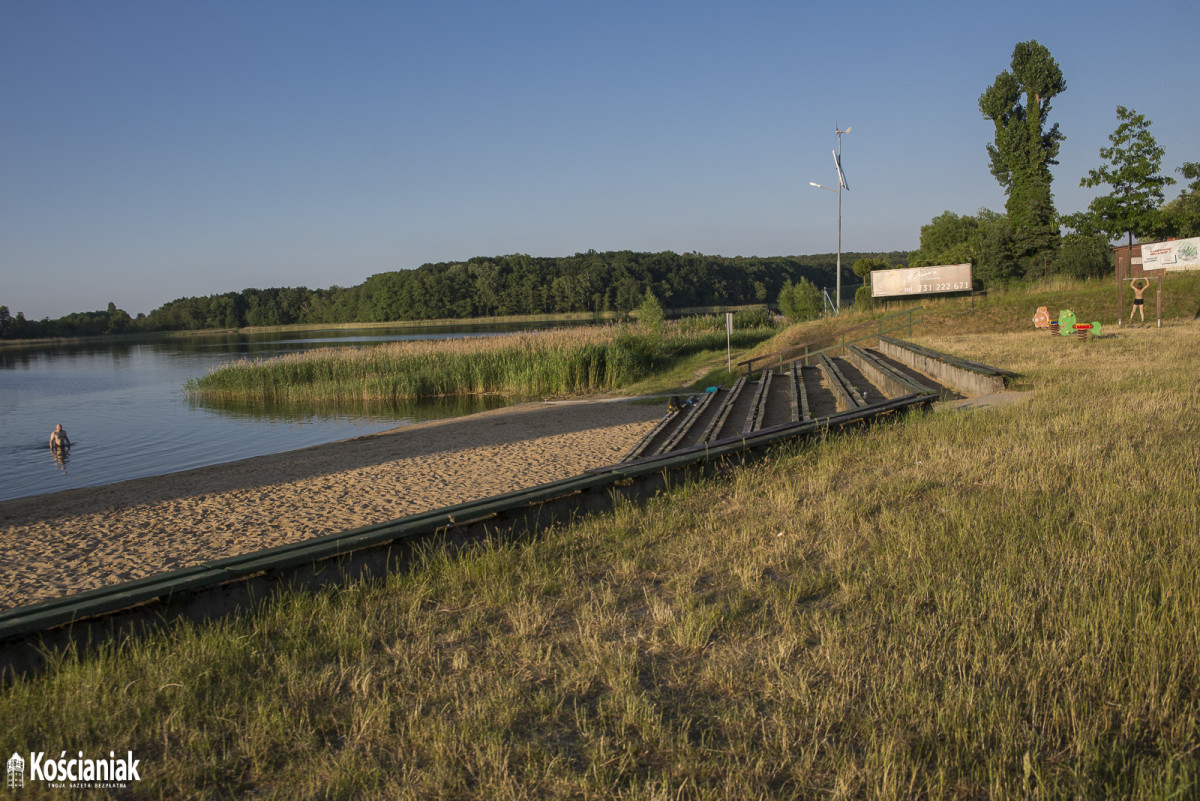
(693, 414)
(848, 398)
(719, 420)
(794, 393)
(754, 416)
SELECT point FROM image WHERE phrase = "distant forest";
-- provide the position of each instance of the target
(481, 287)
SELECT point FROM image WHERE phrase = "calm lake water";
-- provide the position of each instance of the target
(123, 406)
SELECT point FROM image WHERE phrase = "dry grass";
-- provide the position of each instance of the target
(994, 604)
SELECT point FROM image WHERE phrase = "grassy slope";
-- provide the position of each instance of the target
(986, 604)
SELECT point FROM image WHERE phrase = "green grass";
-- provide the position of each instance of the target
(992, 604)
(556, 362)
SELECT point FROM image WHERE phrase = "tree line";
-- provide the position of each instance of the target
(518, 284)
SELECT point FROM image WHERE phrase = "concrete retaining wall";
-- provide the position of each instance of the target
(966, 381)
(886, 382)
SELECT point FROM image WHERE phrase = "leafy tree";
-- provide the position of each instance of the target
(650, 313)
(863, 268)
(985, 240)
(118, 321)
(945, 240)
(1083, 256)
(800, 301)
(992, 249)
(863, 299)
(1181, 217)
(1132, 170)
(1018, 103)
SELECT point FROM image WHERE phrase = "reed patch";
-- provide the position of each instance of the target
(559, 362)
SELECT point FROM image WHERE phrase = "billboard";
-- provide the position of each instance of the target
(1179, 254)
(921, 280)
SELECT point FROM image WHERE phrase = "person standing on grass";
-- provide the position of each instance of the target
(59, 441)
(1138, 298)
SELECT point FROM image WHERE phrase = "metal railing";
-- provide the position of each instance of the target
(835, 341)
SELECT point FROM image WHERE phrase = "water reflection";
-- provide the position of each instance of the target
(60, 456)
(397, 411)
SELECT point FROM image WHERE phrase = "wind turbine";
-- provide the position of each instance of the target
(837, 163)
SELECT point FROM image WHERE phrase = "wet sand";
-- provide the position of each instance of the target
(76, 540)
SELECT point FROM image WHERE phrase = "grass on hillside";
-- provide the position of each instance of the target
(1001, 310)
(992, 604)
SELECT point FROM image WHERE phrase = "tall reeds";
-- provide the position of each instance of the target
(555, 362)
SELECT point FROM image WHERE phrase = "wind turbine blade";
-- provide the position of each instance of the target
(841, 175)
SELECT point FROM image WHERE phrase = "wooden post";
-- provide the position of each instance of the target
(1160, 278)
(1120, 309)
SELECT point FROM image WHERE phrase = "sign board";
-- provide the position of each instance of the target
(921, 280)
(1180, 254)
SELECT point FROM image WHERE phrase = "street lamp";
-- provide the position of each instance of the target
(837, 162)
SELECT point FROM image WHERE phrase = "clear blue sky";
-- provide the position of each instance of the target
(153, 150)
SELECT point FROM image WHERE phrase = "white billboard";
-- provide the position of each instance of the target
(921, 280)
(1180, 254)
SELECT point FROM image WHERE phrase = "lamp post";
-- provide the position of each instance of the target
(837, 162)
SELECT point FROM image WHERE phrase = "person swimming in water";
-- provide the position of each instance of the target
(59, 441)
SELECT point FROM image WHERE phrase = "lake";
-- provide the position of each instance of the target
(124, 408)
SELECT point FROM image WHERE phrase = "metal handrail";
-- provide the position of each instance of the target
(801, 353)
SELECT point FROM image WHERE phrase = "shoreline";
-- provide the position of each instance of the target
(81, 539)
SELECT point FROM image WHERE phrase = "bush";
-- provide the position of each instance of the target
(863, 299)
(1083, 256)
(753, 318)
(800, 302)
(650, 313)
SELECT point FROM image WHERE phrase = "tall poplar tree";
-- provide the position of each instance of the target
(1018, 103)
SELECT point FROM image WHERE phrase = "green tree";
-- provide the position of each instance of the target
(1018, 104)
(992, 250)
(119, 320)
(1181, 217)
(1132, 170)
(863, 268)
(1083, 256)
(945, 240)
(985, 240)
(650, 313)
(800, 301)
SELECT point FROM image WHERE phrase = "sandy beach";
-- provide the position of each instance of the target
(81, 539)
